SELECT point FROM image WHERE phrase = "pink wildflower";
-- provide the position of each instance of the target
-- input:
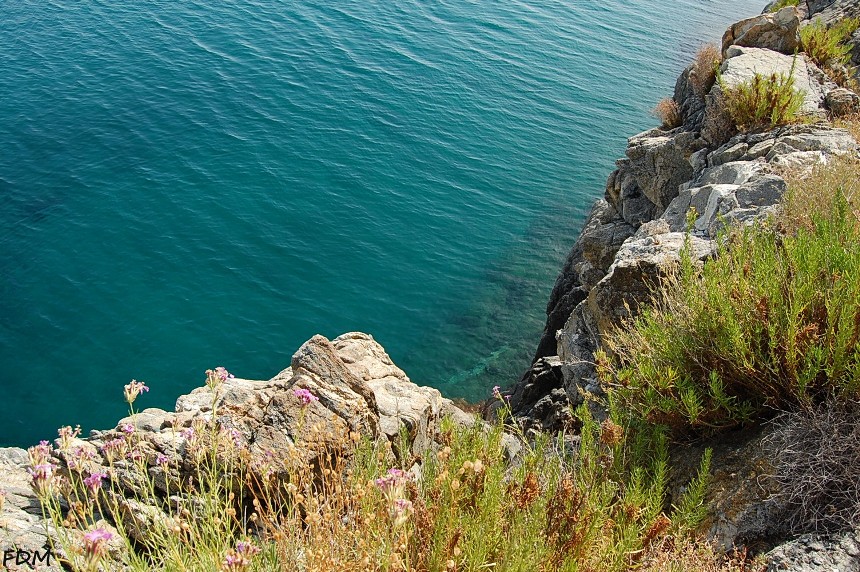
(401, 511)
(188, 433)
(40, 453)
(43, 477)
(133, 389)
(162, 460)
(127, 428)
(393, 484)
(240, 558)
(305, 396)
(95, 545)
(115, 449)
(217, 376)
(94, 481)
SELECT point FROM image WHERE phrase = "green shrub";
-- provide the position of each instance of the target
(826, 46)
(772, 323)
(783, 3)
(763, 102)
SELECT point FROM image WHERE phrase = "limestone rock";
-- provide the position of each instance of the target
(775, 31)
(659, 163)
(841, 101)
(21, 525)
(399, 402)
(602, 236)
(638, 267)
(817, 553)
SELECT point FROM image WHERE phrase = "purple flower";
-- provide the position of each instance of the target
(217, 376)
(95, 543)
(496, 392)
(162, 460)
(305, 396)
(187, 433)
(127, 428)
(393, 483)
(40, 453)
(133, 389)
(240, 558)
(94, 481)
(246, 547)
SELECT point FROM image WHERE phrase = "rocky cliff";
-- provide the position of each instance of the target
(632, 237)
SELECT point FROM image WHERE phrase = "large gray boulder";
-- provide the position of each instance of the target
(639, 266)
(743, 63)
(775, 31)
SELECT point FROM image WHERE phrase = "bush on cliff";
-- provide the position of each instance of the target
(763, 102)
(772, 323)
(828, 47)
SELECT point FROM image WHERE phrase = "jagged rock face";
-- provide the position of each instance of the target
(817, 553)
(728, 178)
(775, 31)
(831, 11)
(841, 102)
(359, 389)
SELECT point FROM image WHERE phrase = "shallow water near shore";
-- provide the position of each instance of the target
(188, 184)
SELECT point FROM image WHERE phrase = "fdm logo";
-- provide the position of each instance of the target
(29, 558)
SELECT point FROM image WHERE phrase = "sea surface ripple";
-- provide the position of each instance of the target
(188, 184)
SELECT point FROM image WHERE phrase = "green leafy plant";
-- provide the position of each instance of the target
(763, 102)
(772, 323)
(826, 45)
(783, 3)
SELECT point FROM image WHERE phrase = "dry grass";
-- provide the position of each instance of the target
(669, 113)
(818, 461)
(703, 72)
(352, 505)
(814, 191)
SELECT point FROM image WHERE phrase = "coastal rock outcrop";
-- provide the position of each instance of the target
(677, 190)
(775, 31)
(332, 390)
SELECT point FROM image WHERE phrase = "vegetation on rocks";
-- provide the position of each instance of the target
(703, 71)
(763, 102)
(772, 323)
(782, 4)
(669, 113)
(826, 46)
(594, 504)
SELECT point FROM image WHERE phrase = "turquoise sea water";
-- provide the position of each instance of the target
(187, 184)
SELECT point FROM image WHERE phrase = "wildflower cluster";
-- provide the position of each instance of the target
(305, 396)
(216, 377)
(133, 389)
(239, 558)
